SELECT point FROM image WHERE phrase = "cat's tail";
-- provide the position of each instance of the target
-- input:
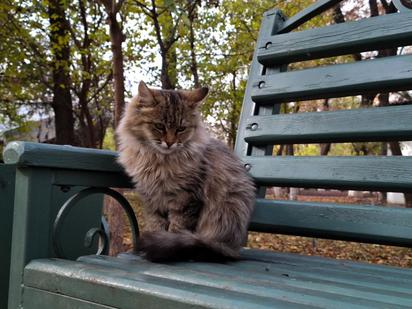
(165, 246)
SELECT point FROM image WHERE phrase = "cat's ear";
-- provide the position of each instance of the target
(145, 95)
(195, 97)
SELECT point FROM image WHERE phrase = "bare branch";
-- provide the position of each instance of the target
(108, 79)
(249, 31)
(145, 8)
(226, 130)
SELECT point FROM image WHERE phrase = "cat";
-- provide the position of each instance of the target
(197, 196)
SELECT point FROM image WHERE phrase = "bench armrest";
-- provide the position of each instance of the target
(61, 156)
(46, 176)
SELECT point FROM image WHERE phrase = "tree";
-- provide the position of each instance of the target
(91, 74)
(60, 48)
(165, 17)
(25, 82)
(113, 11)
(191, 17)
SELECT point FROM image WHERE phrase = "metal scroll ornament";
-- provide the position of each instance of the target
(403, 5)
(92, 233)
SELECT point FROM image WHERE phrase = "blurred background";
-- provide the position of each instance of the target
(67, 69)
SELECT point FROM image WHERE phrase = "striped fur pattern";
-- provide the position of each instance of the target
(197, 196)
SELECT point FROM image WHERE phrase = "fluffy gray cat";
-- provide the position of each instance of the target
(197, 196)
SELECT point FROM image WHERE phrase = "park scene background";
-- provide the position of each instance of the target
(67, 69)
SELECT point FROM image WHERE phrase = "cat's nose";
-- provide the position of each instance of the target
(169, 144)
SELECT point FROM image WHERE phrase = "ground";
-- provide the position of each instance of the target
(369, 253)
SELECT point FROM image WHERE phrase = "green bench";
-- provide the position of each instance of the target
(262, 279)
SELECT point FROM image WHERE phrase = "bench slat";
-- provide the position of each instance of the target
(335, 80)
(40, 299)
(362, 173)
(220, 276)
(385, 271)
(91, 179)
(372, 124)
(140, 289)
(391, 30)
(372, 224)
(245, 284)
(306, 14)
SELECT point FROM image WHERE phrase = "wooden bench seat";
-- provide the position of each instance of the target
(262, 279)
(45, 176)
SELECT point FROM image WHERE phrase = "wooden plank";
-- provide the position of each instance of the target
(329, 275)
(372, 124)
(371, 224)
(40, 299)
(57, 156)
(391, 30)
(7, 181)
(387, 281)
(385, 271)
(228, 277)
(324, 278)
(271, 21)
(362, 173)
(91, 179)
(378, 75)
(124, 289)
(306, 14)
(227, 281)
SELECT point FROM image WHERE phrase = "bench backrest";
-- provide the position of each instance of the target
(261, 125)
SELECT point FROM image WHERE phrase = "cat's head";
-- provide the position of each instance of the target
(164, 119)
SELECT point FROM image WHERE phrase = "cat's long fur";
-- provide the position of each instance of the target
(197, 196)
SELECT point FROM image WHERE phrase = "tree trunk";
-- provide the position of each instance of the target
(373, 5)
(193, 61)
(165, 72)
(383, 196)
(89, 130)
(62, 101)
(114, 213)
(168, 75)
(325, 148)
(86, 59)
(117, 38)
(233, 115)
(293, 192)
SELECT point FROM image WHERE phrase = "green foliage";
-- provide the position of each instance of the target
(109, 141)
(23, 58)
(27, 62)
(307, 150)
(214, 39)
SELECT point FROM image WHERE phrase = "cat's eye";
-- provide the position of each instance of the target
(159, 126)
(181, 129)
